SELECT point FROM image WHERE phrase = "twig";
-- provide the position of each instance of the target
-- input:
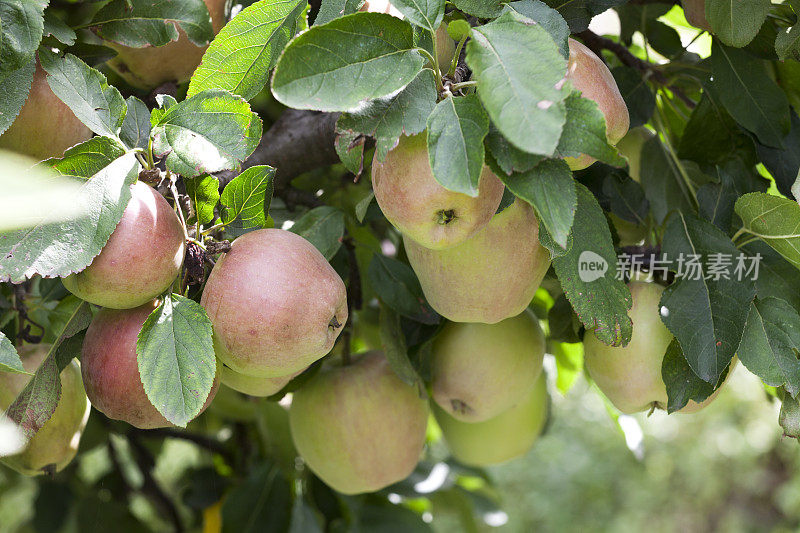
(647, 69)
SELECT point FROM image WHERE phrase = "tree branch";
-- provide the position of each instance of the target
(647, 69)
(299, 141)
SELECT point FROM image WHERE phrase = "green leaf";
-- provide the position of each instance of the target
(339, 65)
(601, 303)
(625, 198)
(715, 204)
(569, 364)
(736, 23)
(248, 197)
(175, 352)
(711, 134)
(88, 158)
(333, 9)
(9, 358)
(774, 220)
(705, 312)
(638, 97)
(787, 44)
(204, 192)
(262, 502)
(242, 54)
(60, 249)
(87, 93)
(550, 189)
(789, 417)
(385, 119)
(681, 381)
(749, 94)
(394, 347)
(23, 25)
(550, 19)
(363, 206)
(507, 158)
(16, 86)
(58, 29)
(398, 287)
(37, 402)
(783, 164)
(520, 73)
(480, 8)
(426, 14)
(662, 180)
(349, 146)
(323, 227)
(141, 23)
(771, 344)
(776, 276)
(585, 132)
(456, 129)
(135, 132)
(209, 132)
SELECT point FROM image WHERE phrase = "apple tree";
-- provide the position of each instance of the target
(333, 246)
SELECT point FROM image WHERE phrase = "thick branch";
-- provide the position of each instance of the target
(299, 141)
(649, 70)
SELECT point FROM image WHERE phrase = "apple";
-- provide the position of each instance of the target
(141, 259)
(591, 76)
(695, 12)
(45, 126)
(147, 68)
(56, 443)
(630, 376)
(507, 436)
(252, 385)
(111, 371)
(424, 211)
(489, 277)
(445, 46)
(358, 427)
(480, 370)
(630, 147)
(276, 304)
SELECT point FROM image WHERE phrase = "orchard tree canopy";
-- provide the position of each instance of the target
(348, 252)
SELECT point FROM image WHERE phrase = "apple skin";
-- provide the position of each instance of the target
(695, 13)
(414, 202)
(630, 147)
(56, 443)
(147, 68)
(251, 385)
(358, 427)
(491, 276)
(480, 370)
(630, 376)
(591, 76)
(507, 436)
(111, 371)
(141, 259)
(276, 304)
(45, 126)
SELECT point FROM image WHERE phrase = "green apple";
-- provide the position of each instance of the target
(45, 126)
(630, 376)
(424, 211)
(111, 371)
(141, 259)
(358, 427)
(591, 76)
(631, 146)
(507, 436)
(148, 67)
(489, 277)
(56, 443)
(252, 385)
(480, 370)
(276, 304)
